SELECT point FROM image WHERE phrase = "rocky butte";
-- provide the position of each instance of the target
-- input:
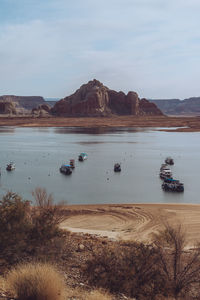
(13, 104)
(94, 99)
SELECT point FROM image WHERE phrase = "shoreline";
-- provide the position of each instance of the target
(136, 221)
(182, 124)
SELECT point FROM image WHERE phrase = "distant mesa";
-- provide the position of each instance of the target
(190, 106)
(95, 99)
(19, 104)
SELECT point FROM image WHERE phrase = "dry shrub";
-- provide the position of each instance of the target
(36, 282)
(15, 224)
(128, 268)
(179, 268)
(31, 230)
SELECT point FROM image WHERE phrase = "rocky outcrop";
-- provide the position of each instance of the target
(41, 111)
(190, 106)
(7, 107)
(95, 99)
(25, 102)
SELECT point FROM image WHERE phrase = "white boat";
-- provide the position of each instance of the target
(82, 157)
(166, 173)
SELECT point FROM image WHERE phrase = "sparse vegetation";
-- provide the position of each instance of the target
(36, 282)
(164, 269)
(29, 230)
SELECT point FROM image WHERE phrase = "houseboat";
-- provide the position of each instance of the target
(10, 166)
(172, 185)
(82, 157)
(72, 163)
(169, 161)
(117, 167)
(166, 173)
(66, 169)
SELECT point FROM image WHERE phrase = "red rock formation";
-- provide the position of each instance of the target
(95, 99)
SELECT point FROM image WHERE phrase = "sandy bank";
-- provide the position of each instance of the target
(188, 123)
(133, 221)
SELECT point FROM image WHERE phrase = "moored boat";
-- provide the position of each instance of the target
(10, 166)
(164, 166)
(82, 157)
(66, 169)
(117, 167)
(72, 163)
(165, 173)
(172, 185)
(169, 161)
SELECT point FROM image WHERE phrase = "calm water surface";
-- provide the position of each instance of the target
(39, 152)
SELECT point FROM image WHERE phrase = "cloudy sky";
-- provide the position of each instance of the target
(51, 47)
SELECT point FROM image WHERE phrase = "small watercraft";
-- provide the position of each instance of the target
(169, 161)
(117, 167)
(72, 163)
(172, 185)
(66, 169)
(10, 166)
(166, 173)
(82, 157)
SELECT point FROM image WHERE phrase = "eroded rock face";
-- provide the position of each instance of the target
(7, 107)
(26, 102)
(41, 110)
(95, 99)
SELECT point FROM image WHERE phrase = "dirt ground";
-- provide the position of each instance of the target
(187, 123)
(134, 221)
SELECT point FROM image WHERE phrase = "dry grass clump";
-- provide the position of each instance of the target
(36, 282)
(81, 294)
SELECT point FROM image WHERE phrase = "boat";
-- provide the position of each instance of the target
(164, 167)
(10, 166)
(169, 161)
(117, 167)
(66, 169)
(172, 185)
(166, 173)
(82, 157)
(72, 163)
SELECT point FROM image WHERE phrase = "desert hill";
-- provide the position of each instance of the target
(95, 99)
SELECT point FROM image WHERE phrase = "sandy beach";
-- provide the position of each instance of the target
(134, 221)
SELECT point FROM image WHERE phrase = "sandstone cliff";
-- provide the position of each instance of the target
(23, 102)
(95, 99)
(7, 107)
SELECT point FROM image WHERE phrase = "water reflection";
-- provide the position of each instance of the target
(7, 129)
(98, 130)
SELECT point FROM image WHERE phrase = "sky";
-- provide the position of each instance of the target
(50, 48)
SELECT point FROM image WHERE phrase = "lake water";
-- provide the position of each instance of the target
(39, 152)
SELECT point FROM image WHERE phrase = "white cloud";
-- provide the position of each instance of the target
(151, 47)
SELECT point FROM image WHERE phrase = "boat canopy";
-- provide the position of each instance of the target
(171, 180)
(83, 154)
